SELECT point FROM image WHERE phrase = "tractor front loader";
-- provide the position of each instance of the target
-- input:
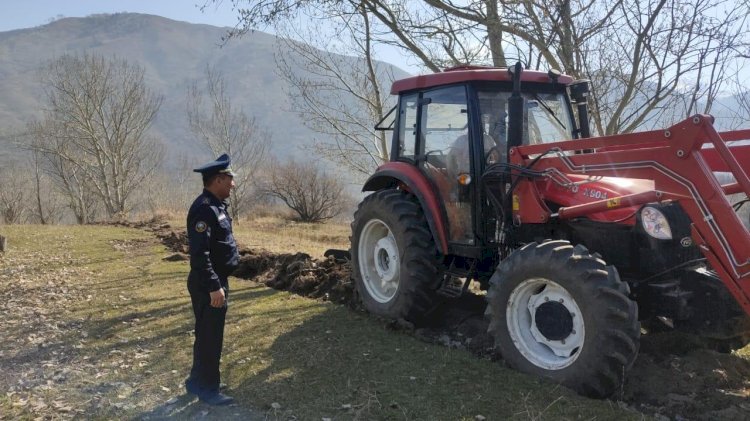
(577, 240)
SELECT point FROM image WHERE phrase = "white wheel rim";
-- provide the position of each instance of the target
(537, 298)
(379, 261)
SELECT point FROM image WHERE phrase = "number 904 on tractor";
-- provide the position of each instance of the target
(494, 178)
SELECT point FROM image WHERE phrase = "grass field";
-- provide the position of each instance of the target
(280, 235)
(97, 325)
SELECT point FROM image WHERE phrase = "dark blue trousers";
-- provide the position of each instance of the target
(209, 335)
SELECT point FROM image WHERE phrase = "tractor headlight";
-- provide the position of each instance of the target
(655, 223)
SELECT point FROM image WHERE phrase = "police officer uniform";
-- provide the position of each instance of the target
(213, 257)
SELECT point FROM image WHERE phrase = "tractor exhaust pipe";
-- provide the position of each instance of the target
(579, 91)
(515, 109)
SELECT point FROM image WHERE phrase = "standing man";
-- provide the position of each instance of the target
(213, 257)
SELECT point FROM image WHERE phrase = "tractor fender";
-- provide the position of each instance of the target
(409, 178)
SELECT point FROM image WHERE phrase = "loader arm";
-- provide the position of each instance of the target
(682, 171)
(740, 152)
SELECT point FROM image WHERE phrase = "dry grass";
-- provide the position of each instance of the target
(273, 228)
(281, 235)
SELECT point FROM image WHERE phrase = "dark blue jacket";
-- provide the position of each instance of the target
(213, 251)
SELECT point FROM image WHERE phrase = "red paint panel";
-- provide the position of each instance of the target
(735, 135)
(741, 154)
(631, 200)
(492, 74)
(587, 191)
(733, 164)
(601, 144)
(529, 207)
(420, 187)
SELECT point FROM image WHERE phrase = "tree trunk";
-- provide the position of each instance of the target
(3, 243)
(495, 35)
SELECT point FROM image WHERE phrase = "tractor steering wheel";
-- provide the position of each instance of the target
(438, 158)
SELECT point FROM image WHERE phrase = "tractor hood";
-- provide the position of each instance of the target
(593, 189)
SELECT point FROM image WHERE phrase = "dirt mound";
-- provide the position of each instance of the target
(700, 384)
(175, 241)
(298, 273)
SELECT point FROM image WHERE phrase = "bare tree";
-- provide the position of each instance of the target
(660, 58)
(94, 131)
(224, 129)
(175, 196)
(339, 96)
(47, 209)
(44, 140)
(41, 204)
(741, 93)
(311, 193)
(743, 99)
(437, 33)
(640, 54)
(45, 204)
(13, 194)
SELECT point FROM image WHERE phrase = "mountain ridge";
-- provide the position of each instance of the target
(174, 54)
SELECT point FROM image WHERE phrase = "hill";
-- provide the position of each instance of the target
(174, 55)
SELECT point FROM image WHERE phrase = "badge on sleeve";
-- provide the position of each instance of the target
(200, 226)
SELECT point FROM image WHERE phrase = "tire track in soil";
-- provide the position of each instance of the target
(675, 376)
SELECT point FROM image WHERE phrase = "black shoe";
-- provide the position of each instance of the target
(216, 398)
(192, 387)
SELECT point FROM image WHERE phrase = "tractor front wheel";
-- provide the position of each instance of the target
(394, 258)
(557, 311)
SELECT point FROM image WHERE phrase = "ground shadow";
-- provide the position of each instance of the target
(188, 407)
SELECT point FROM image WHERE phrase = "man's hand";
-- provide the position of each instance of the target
(217, 298)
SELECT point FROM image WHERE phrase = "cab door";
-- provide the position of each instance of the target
(445, 156)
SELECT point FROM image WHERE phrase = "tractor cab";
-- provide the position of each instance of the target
(451, 126)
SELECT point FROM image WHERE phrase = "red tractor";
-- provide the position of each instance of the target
(576, 239)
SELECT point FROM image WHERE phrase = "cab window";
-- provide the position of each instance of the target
(546, 118)
(407, 127)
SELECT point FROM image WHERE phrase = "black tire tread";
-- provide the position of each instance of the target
(609, 351)
(420, 265)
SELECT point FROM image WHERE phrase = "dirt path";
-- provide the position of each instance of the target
(674, 377)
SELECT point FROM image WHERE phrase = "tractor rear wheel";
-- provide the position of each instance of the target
(395, 262)
(557, 311)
